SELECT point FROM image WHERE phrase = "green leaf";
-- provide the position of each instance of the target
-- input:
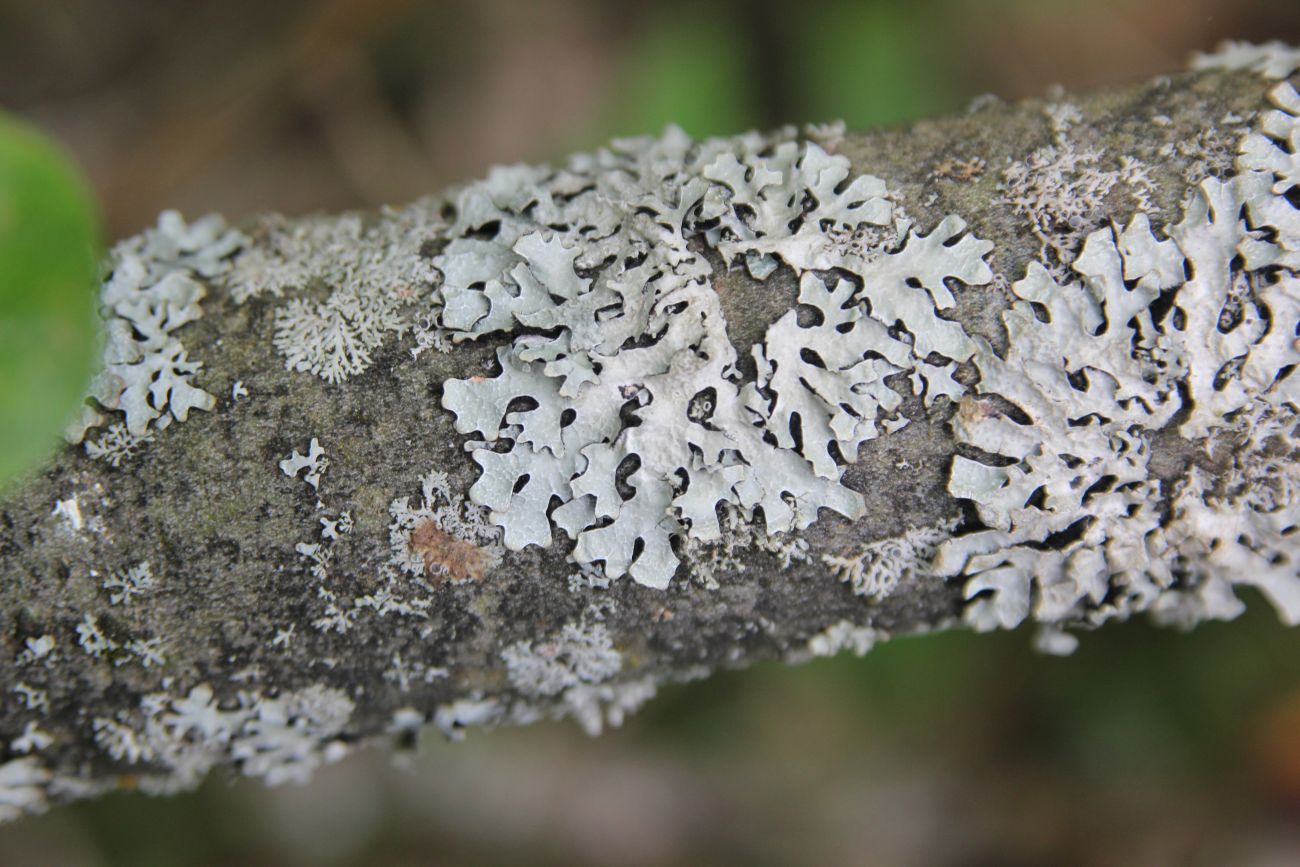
(49, 255)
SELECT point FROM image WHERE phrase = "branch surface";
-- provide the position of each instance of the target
(539, 444)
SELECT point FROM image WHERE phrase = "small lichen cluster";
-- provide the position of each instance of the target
(581, 654)
(706, 561)
(1197, 330)
(1270, 59)
(1065, 188)
(418, 537)
(23, 782)
(147, 652)
(876, 570)
(619, 414)
(152, 291)
(314, 462)
(1211, 153)
(444, 538)
(372, 268)
(593, 706)
(117, 444)
(572, 673)
(842, 636)
(1238, 533)
(172, 741)
(126, 584)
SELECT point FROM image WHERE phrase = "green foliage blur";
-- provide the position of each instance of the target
(49, 257)
(866, 63)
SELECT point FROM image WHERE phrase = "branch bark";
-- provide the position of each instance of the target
(214, 594)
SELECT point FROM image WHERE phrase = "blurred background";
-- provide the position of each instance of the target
(1144, 748)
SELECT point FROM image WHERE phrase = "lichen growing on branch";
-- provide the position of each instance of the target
(806, 390)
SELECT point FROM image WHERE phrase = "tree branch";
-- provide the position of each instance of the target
(536, 445)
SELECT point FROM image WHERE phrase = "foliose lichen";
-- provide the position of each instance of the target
(1195, 331)
(1270, 59)
(619, 414)
(152, 291)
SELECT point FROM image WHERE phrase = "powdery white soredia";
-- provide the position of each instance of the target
(619, 414)
(1197, 330)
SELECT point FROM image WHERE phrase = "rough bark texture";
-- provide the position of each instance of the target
(239, 612)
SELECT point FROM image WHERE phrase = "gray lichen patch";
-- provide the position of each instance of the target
(151, 292)
(620, 415)
(371, 268)
(1195, 330)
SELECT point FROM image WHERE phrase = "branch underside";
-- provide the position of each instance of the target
(537, 445)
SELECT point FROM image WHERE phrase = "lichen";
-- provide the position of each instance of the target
(174, 740)
(1064, 188)
(92, 638)
(69, 514)
(314, 463)
(846, 635)
(372, 269)
(152, 291)
(126, 584)
(117, 444)
(404, 673)
(594, 707)
(875, 570)
(581, 654)
(444, 538)
(621, 399)
(1131, 449)
(22, 788)
(708, 560)
(1271, 59)
(1197, 329)
(1238, 534)
(335, 339)
(1276, 147)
